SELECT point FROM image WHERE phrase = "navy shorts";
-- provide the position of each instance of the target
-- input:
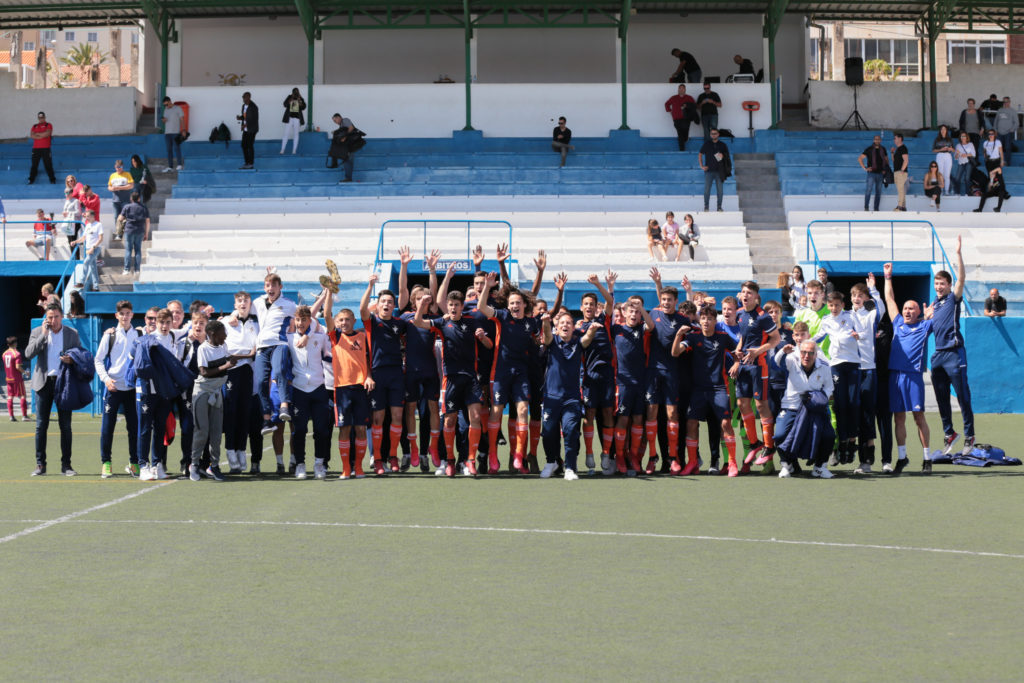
(510, 386)
(599, 389)
(460, 392)
(417, 388)
(708, 403)
(662, 387)
(389, 388)
(351, 406)
(630, 400)
(752, 382)
(906, 392)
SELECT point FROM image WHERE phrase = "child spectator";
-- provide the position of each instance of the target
(43, 232)
(207, 400)
(655, 239)
(14, 369)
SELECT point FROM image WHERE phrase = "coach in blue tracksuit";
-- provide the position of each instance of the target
(949, 362)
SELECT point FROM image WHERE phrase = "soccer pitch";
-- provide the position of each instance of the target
(410, 577)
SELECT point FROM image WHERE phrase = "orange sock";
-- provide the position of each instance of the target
(607, 434)
(673, 440)
(474, 442)
(396, 438)
(750, 426)
(345, 450)
(435, 434)
(651, 426)
(588, 439)
(768, 429)
(730, 447)
(522, 435)
(534, 436)
(360, 454)
(513, 435)
(449, 442)
(636, 436)
(620, 446)
(493, 427)
(376, 435)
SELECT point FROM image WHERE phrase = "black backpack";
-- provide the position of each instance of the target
(221, 132)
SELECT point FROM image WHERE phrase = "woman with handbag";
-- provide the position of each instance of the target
(293, 119)
(144, 183)
(72, 215)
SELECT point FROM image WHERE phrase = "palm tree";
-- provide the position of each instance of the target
(86, 58)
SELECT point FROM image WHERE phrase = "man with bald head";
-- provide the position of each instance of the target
(995, 304)
(906, 373)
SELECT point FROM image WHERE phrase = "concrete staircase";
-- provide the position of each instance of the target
(760, 199)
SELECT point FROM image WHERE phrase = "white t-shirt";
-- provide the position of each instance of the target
(242, 340)
(93, 233)
(274, 319)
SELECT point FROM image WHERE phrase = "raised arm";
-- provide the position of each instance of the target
(319, 303)
(404, 256)
(442, 291)
(655, 275)
(560, 281)
(541, 262)
(328, 312)
(890, 299)
(687, 288)
(364, 303)
(502, 255)
(546, 337)
(961, 272)
(432, 269)
(485, 308)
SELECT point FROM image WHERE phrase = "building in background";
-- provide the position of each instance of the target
(72, 57)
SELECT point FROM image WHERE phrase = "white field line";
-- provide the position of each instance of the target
(512, 530)
(73, 515)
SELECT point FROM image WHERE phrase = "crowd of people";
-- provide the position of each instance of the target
(628, 380)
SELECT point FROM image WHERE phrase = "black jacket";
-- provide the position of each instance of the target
(287, 111)
(252, 118)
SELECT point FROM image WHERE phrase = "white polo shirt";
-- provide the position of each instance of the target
(308, 361)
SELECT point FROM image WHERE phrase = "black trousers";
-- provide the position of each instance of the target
(44, 154)
(249, 147)
(44, 404)
(682, 132)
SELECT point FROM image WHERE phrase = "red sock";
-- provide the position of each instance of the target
(768, 429)
(414, 447)
(344, 450)
(750, 427)
(513, 435)
(588, 439)
(449, 441)
(607, 434)
(636, 434)
(24, 406)
(396, 437)
(651, 426)
(435, 434)
(493, 427)
(673, 440)
(376, 435)
(534, 436)
(691, 450)
(730, 447)
(620, 445)
(360, 454)
(474, 441)
(10, 407)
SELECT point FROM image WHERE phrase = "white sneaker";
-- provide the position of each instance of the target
(147, 474)
(439, 472)
(300, 471)
(242, 459)
(193, 473)
(863, 468)
(786, 472)
(319, 472)
(887, 468)
(570, 475)
(822, 473)
(180, 167)
(548, 470)
(161, 473)
(232, 460)
(168, 169)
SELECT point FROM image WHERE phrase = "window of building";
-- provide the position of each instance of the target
(897, 53)
(69, 36)
(49, 36)
(135, 37)
(93, 37)
(29, 46)
(976, 51)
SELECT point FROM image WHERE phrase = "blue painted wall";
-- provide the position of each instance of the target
(994, 353)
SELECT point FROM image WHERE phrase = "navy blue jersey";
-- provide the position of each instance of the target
(708, 359)
(485, 356)
(564, 377)
(946, 323)
(665, 327)
(459, 345)
(419, 350)
(755, 327)
(731, 330)
(513, 339)
(777, 373)
(631, 348)
(597, 356)
(386, 338)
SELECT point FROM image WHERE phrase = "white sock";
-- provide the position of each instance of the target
(232, 459)
(280, 458)
(926, 455)
(318, 462)
(902, 450)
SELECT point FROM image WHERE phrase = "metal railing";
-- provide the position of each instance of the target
(469, 223)
(69, 263)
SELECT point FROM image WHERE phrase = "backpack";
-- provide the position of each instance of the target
(221, 133)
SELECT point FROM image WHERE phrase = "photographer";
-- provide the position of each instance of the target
(345, 141)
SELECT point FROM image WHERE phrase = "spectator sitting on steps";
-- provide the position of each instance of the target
(44, 233)
(560, 138)
(655, 239)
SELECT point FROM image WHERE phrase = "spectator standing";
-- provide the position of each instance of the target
(972, 122)
(173, 118)
(293, 120)
(995, 307)
(992, 150)
(1006, 127)
(120, 184)
(933, 182)
(71, 183)
(560, 139)
(900, 164)
(714, 161)
(996, 188)
(943, 148)
(708, 102)
(745, 65)
(90, 201)
(989, 108)
(71, 214)
(42, 137)
(142, 178)
(797, 287)
(682, 108)
(91, 241)
(873, 160)
(786, 293)
(250, 122)
(964, 159)
(43, 234)
(688, 70)
(826, 284)
(49, 344)
(136, 229)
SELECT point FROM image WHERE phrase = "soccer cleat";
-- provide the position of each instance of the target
(548, 470)
(744, 468)
(691, 468)
(319, 471)
(493, 464)
(267, 427)
(283, 415)
(235, 470)
(570, 475)
(213, 471)
(590, 462)
(674, 468)
(652, 465)
(821, 472)
(326, 283)
(193, 473)
(105, 471)
(300, 470)
(406, 463)
(755, 451)
(785, 472)
(332, 269)
(242, 459)
(734, 471)
(900, 464)
(926, 466)
(344, 476)
(281, 471)
(863, 468)
(714, 469)
(887, 467)
(68, 472)
(833, 460)
(517, 463)
(147, 474)
(435, 459)
(393, 464)
(13, 419)
(470, 469)
(606, 461)
(378, 467)
(254, 469)
(765, 457)
(414, 461)
(449, 468)
(160, 473)
(440, 471)
(968, 446)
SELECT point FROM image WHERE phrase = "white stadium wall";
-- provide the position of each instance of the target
(72, 111)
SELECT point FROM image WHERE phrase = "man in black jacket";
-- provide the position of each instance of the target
(250, 121)
(714, 161)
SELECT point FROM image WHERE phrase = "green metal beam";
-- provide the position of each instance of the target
(468, 35)
(772, 21)
(308, 18)
(627, 11)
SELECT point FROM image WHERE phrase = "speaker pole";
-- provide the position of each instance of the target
(858, 121)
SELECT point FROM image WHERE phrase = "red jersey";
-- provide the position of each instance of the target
(91, 204)
(42, 143)
(12, 360)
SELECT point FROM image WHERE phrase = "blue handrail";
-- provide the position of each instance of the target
(467, 222)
